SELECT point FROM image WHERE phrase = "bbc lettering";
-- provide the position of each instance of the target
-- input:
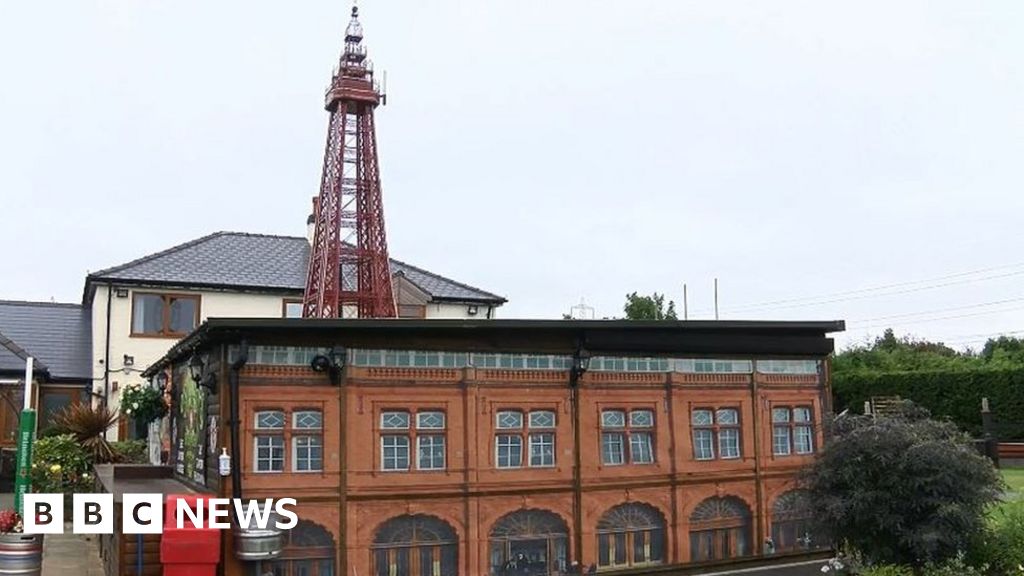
(144, 513)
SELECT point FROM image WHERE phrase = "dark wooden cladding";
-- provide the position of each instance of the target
(120, 553)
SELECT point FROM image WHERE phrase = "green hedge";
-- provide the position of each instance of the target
(947, 394)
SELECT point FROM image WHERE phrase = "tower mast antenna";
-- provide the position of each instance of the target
(349, 272)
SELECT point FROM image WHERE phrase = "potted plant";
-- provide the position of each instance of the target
(20, 553)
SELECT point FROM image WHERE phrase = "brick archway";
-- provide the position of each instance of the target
(414, 544)
(531, 542)
(720, 527)
(632, 534)
(308, 551)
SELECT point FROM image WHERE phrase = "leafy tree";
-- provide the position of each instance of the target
(889, 353)
(901, 489)
(1004, 352)
(649, 307)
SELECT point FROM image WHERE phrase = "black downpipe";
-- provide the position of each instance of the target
(236, 366)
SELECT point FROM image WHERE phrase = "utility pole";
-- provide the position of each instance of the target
(716, 298)
(686, 309)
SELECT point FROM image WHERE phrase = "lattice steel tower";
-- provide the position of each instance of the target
(349, 273)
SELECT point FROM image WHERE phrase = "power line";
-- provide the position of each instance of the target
(939, 310)
(953, 317)
(886, 289)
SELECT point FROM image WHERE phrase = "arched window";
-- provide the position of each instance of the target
(415, 545)
(308, 551)
(631, 535)
(720, 528)
(792, 528)
(529, 543)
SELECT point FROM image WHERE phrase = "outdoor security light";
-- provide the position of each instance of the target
(332, 362)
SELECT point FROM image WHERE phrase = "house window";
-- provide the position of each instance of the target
(627, 439)
(271, 435)
(430, 440)
(792, 430)
(291, 308)
(511, 438)
(164, 314)
(307, 441)
(542, 443)
(269, 441)
(715, 430)
(398, 435)
(394, 448)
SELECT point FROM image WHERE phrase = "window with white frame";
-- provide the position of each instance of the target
(508, 442)
(269, 441)
(394, 440)
(400, 430)
(516, 430)
(792, 430)
(430, 440)
(716, 433)
(307, 441)
(542, 438)
(627, 437)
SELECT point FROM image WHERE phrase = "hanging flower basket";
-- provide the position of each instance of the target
(143, 404)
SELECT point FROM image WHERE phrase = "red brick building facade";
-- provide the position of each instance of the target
(510, 447)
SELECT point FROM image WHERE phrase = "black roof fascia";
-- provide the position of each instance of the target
(614, 337)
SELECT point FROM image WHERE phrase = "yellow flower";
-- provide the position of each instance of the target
(55, 468)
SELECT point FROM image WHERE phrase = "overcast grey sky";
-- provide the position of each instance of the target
(547, 150)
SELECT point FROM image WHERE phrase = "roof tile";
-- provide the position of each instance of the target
(236, 259)
(58, 335)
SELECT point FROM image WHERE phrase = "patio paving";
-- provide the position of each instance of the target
(65, 554)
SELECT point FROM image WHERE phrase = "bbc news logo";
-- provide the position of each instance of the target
(144, 513)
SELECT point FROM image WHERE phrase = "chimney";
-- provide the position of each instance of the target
(311, 222)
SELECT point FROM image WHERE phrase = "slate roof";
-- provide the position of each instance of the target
(12, 357)
(258, 261)
(57, 335)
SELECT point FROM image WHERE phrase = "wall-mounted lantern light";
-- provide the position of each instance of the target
(197, 368)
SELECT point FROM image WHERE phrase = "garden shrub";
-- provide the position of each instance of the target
(130, 452)
(89, 425)
(886, 570)
(1002, 545)
(60, 464)
(901, 489)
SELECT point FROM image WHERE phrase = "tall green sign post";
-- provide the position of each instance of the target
(26, 437)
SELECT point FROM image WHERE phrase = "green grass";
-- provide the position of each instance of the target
(1014, 478)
